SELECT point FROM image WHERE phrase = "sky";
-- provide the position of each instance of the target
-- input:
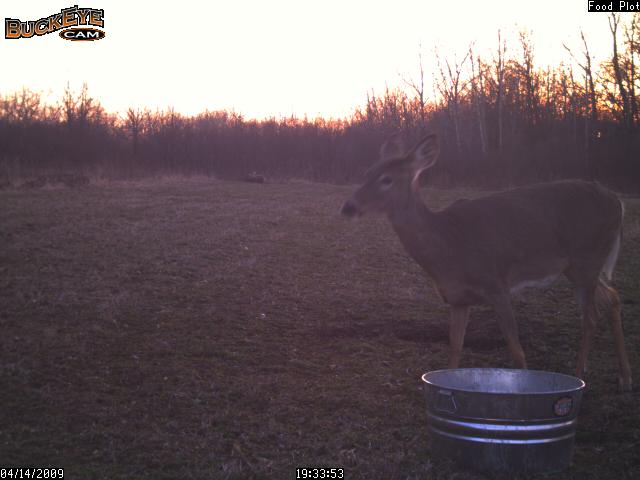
(266, 58)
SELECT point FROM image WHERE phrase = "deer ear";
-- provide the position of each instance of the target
(393, 148)
(425, 153)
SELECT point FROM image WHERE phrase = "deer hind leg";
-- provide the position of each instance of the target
(586, 298)
(509, 327)
(608, 303)
(459, 318)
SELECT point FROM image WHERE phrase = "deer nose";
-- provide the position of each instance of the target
(349, 209)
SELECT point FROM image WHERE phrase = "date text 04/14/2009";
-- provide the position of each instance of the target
(31, 473)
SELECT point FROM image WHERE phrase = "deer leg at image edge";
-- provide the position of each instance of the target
(607, 303)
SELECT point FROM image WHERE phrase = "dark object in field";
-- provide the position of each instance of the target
(481, 251)
(502, 420)
(73, 181)
(38, 182)
(69, 180)
(254, 178)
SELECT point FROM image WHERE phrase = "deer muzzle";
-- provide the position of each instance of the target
(349, 209)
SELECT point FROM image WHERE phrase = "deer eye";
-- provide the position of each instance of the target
(385, 180)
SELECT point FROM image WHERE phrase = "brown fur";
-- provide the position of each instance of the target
(479, 251)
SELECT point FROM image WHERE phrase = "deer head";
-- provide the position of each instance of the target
(394, 178)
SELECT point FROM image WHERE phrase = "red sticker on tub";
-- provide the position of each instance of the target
(563, 406)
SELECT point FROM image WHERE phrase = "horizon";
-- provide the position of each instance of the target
(283, 59)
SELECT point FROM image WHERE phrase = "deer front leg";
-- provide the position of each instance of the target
(509, 328)
(459, 318)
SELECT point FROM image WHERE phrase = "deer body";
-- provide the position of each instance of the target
(480, 251)
(510, 240)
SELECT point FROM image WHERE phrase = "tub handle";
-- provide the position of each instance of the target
(445, 402)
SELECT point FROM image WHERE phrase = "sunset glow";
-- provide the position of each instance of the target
(280, 57)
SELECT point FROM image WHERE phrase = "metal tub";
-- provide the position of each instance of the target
(491, 419)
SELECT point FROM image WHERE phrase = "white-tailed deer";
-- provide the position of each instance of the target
(480, 251)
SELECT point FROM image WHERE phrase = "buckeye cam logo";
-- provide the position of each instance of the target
(75, 24)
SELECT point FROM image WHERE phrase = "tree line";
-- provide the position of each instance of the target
(502, 119)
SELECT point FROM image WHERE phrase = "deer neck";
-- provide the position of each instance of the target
(420, 230)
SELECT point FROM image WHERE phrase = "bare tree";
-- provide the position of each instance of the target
(477, 89)
(588, 76)
(418, 88)
(452, 86)
(530, 79)
(618, 72)
(134, 125)
(27, 106)
(499, 76)
(631, 41)
(591, 100)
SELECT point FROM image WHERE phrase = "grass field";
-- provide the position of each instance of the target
(199, 329)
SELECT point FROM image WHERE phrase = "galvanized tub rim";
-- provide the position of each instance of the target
(577, 384)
